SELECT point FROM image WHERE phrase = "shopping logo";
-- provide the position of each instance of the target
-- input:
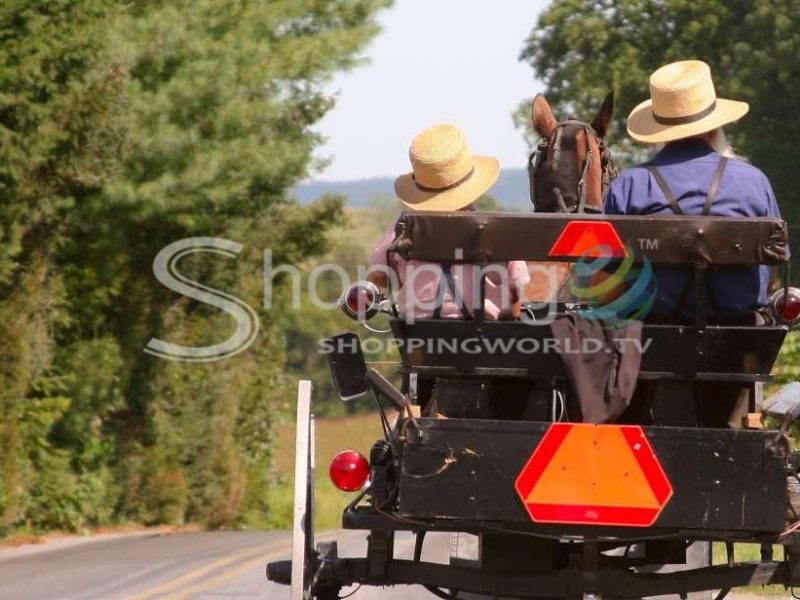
(616, 290)
(165, 269)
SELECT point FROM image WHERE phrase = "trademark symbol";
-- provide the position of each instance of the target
(648, 244)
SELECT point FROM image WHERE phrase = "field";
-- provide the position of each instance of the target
(333, 435)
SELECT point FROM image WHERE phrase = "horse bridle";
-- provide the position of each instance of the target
(568, 130)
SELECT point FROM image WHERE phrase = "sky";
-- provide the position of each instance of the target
(453, 61)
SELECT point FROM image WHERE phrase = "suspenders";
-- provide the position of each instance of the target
(676, 208)
(447, 282)
(673, 201)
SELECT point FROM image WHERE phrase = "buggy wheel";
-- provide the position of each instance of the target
(304, 558)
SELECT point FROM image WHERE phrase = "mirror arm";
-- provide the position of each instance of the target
(384, 386)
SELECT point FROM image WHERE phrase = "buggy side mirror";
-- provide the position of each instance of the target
(348, 368)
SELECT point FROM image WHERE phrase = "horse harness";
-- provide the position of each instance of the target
(550, 168)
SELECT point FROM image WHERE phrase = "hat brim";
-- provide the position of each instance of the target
(487, 170)
(643, 127)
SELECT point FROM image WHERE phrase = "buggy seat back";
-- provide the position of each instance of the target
(514, 348)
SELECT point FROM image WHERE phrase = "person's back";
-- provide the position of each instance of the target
(446, 177)
(688, 176)
(425, 290)
(688, 167)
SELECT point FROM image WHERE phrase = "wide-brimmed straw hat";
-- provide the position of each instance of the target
(683, 103)
(445, 175)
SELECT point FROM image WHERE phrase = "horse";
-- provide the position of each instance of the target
(570, 171)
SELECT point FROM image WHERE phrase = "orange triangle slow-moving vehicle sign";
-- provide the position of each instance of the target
(580, 238)
(594, 475)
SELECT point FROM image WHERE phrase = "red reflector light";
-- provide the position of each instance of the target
(786, 305)
(360, 300)
(349, 471)
(579, 237)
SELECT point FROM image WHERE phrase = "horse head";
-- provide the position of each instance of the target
(571, 168)
(570, 172)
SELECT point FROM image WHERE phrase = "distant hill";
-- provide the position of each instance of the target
(511, 190)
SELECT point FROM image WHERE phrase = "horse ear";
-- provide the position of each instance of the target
(542, 117)
(604, 116)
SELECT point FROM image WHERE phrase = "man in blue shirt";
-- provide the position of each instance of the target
(695, 173)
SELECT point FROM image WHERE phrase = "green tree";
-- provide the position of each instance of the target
(126, 127)
(59, 145)
(351, 246)
(489, 203)
(220, 104)
(583, 48)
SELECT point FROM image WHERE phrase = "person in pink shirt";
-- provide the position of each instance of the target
(446, 177)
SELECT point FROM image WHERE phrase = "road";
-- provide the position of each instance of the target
(217, 565)
(214, 565)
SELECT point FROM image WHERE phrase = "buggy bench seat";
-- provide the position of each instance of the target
(457, 347)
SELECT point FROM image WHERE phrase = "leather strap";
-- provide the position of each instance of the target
(662, 183)
(712, 195)
(560, 200)
(712, 191)
(448, 282)
(587, 163)
(533, 165)
(676, 208)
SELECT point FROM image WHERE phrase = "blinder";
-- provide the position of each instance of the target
(557, 182)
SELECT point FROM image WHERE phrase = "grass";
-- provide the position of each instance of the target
(746, 553)
(357, 432)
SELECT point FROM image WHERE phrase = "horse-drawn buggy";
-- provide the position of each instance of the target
(584, 448)
(547, 504)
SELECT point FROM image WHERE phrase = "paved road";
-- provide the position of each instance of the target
(227, 565)
(213, 565)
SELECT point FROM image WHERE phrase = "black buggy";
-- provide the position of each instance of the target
(541, 507)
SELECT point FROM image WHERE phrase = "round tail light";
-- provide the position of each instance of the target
(361, 301)
(349, 471)
(785, 305)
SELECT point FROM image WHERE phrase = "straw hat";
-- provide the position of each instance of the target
(682, 104)
(445, 174)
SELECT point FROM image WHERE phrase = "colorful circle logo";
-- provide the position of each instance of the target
(618, 290)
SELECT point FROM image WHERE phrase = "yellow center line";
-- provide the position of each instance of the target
(199, 572)
(217, 581)
(191, 577)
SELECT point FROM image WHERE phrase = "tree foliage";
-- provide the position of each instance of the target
(58, 147)
(583, 48)
(124, 127)
(351, 245)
